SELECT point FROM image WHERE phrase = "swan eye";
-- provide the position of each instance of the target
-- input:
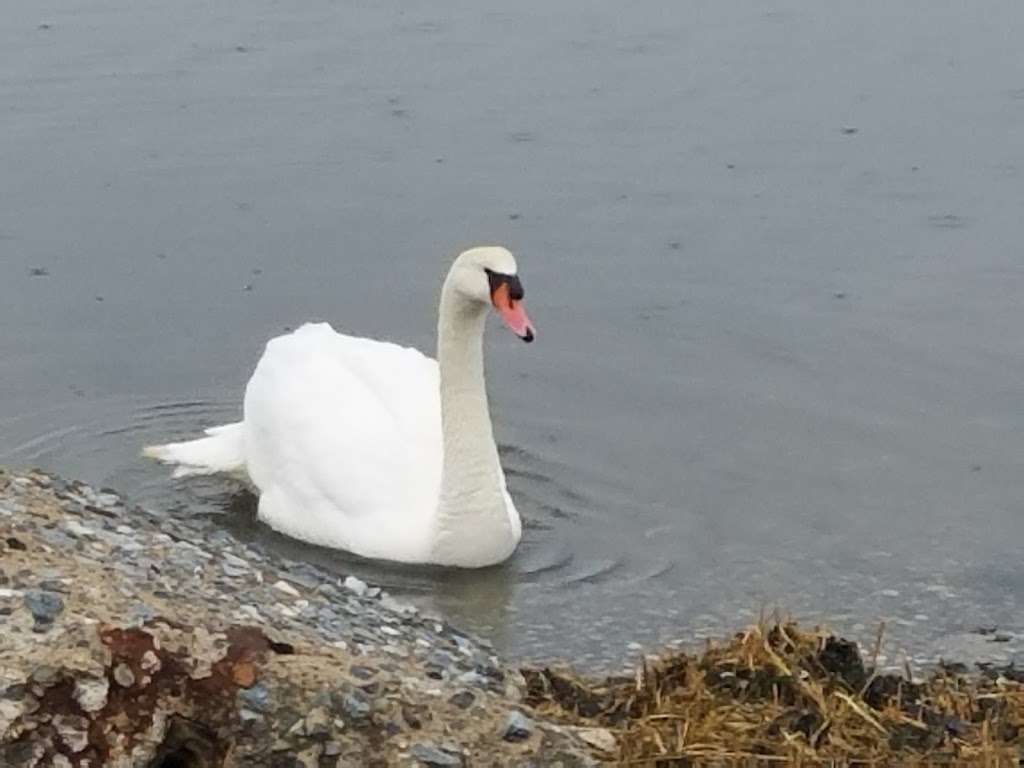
(498, 279)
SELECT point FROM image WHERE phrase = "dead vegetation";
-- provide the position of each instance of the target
(776, 694)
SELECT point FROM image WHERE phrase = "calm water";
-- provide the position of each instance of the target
(773, 253)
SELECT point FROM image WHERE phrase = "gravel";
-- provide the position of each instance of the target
(45, 606)
(162, 629)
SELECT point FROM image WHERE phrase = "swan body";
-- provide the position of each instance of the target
(375, 448)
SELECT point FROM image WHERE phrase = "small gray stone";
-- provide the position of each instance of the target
(91, 694)
(55, 585)
(124, 676)
(355, 705)
(403, 609)
(75, 528)
(140, 613)
(327, 589)
(44, 606)
(234, 571)
(283, 586)
(45, 675)
(73, 731)
(9, 712)
(107, 498)
(463, 699)
(21, 753)
(332, 748)
(352, 584)
(219, 538)
(234, 560)
(256, 698)
(251, 610)
(599, 738)
(472, 678)
(441, 659)
(305, 575)
(57, 538)
(518, 727)
(435, 757)
(317, 722)
(150, 662)
(490, 672)
(363, 673)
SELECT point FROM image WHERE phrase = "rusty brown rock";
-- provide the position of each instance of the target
(244, 674)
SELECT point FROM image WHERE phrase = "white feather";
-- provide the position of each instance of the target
(343, 438)
(223, 451)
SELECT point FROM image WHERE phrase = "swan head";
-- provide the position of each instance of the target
(488, 275)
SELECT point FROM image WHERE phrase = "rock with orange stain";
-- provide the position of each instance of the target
(244, 674)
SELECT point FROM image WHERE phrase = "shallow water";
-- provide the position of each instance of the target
(773, 255)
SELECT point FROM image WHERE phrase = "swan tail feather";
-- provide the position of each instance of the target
(222, 450)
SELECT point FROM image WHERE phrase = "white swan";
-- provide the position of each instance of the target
(375, 448)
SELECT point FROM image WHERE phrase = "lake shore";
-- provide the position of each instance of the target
(133, 638)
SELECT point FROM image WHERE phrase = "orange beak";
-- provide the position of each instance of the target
(512, 312)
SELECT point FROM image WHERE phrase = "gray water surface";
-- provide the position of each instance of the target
(773, 252)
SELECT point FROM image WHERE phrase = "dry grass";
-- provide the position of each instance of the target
(779, 695)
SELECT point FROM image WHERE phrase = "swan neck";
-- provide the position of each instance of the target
(473, 524)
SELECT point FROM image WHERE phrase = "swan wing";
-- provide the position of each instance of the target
(343, 439)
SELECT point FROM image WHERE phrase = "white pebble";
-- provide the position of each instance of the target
(75, 527)
(250, 611)
(355, 585)
(150, 662)
(124, 676)
(91, 695)
(288, 589)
